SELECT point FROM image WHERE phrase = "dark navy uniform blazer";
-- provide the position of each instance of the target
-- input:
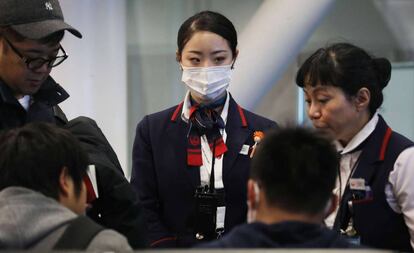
(374, 220)
(166, 185)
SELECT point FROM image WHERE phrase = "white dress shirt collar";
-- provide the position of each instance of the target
(361, 136)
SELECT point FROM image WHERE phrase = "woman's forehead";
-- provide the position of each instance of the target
(319, 88)
(204, 40)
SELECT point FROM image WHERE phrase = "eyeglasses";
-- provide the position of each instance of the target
(36, 63)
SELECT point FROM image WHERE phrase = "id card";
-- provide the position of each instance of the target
(244, 150)
(357, 184)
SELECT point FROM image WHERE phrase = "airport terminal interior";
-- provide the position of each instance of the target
(127, 56)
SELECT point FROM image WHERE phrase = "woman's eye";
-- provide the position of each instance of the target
(323, 100)
(195, 60)
(219, 59)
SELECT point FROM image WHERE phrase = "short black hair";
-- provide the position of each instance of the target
(297, 169)
(211, 22)
(34, 155)
(349, 68)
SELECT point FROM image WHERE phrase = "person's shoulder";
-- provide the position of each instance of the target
(396, 138)
(159, 118)
(256, 117)
(242, 236)
(254, 121)
(335, 240)
(257, 121)
(398, 143)
(109, 240)
(402, 140)
(166, 114)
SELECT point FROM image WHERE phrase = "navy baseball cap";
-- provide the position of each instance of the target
(34, 19)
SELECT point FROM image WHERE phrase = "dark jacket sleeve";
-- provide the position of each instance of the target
(144, 179)
(117, 206)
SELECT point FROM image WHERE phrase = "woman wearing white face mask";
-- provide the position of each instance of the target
(174, 149)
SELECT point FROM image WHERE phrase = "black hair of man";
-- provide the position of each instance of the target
(297, 169)
(34, 156)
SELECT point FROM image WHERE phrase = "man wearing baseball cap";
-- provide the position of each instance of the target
(30, 35)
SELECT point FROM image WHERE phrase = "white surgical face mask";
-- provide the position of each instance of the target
(208, 83)
(252, 212)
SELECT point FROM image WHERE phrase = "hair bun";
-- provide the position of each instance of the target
(383, 70)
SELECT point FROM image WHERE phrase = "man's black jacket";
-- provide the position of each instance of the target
(117, 206)
(43, 106)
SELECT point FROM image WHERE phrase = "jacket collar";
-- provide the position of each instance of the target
(185, 111)
(360, 137)
(373, 151)
(375, 141)
(50, 93)
(6, 95)
(230, 107)
(237, 132)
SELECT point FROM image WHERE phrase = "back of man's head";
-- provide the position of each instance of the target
(296, 168)
(35, 155)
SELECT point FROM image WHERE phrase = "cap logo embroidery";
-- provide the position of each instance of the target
(48, 6)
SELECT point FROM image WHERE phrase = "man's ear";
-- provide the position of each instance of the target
(331, 205)
(250, 191)
(253, 193)
(362, 99)
(64, 186)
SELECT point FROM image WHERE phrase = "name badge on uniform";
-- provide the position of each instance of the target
(357, 184)
(244, 150)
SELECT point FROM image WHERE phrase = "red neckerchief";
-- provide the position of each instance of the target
(204, 121)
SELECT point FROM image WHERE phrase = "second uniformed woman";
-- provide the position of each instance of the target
(343, 88)
(175, 149)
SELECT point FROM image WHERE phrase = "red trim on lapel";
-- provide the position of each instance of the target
(385, 142)
(177, 110)
(242, 116)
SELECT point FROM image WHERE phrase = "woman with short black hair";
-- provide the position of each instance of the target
(343, 89)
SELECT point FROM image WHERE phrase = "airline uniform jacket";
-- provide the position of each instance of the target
(166, 184)
(376, 223)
